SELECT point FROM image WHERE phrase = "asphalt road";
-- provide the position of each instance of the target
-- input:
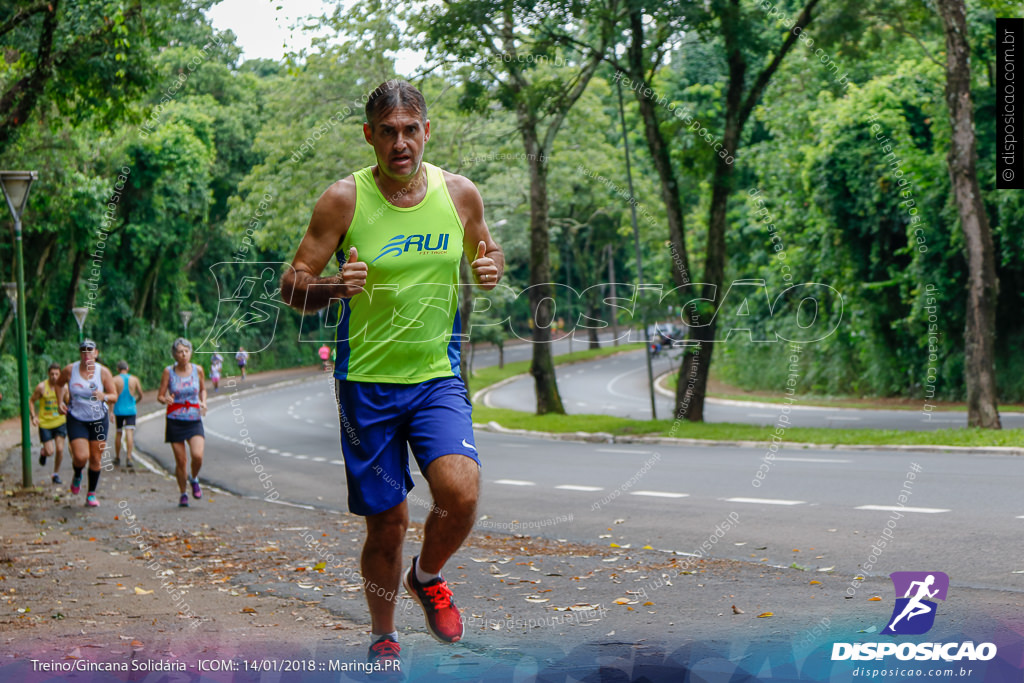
(961, 514)
(618, 386)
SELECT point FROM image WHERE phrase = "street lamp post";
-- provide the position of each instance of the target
(185, 317)
(15, 185)
(80, 312)
(636, 247)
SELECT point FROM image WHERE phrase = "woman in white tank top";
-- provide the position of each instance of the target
(91, 386)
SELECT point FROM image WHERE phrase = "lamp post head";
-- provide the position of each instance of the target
(11, 288)
(80, 312)
(15, 185)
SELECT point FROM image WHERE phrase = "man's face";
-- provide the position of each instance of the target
(53, 374)
(398, 140)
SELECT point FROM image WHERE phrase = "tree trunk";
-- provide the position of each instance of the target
(541, 293)
(982, 283)
(76, 275)
(154, 266)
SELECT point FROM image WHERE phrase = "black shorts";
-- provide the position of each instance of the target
(179, 431)
(52, 433)
(124, 422)
(93, 431)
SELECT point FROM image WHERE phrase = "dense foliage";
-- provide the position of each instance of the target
(172, 175)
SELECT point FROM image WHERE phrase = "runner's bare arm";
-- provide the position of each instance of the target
(109, 393)
(135, 386)
(488, 260)
(162, 395)
(302, 288)
(60, 388)
(202, 389)
(36, 395)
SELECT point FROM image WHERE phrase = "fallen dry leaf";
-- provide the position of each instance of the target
(814, 583)
(765, 614)
(874, 599)
(248, 610)
(142, 591)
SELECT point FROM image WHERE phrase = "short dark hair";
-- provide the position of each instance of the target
(122, 365)
(55, 366)
(391, 95)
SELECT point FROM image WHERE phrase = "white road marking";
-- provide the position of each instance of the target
(623, 450)
(896, 508)
(766, 501)
(659, 494)
(275, 451)
(514, 482)
(611, 384)
(575, 487)
(319, 459)
(812, 460)
(302, 457)
(286, 454)
(338, 462)
(262, 448)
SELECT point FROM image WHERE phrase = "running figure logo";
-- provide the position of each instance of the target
(253, 302)
(914, 613)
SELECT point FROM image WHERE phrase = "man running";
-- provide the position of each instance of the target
(51, 423)
(129, 390)
(397, 369)
(90, 387)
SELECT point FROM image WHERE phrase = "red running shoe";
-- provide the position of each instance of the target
(384, 660)
(443, 619)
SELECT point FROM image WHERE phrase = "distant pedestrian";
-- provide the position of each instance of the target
(183, 391)
(51, 422)
(216, 363)
(325, 357)
(242, 358)
(90, 387)
(129, 390)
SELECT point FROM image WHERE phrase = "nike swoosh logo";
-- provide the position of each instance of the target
(469, 445)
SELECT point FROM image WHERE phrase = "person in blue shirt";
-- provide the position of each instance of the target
(129, 390)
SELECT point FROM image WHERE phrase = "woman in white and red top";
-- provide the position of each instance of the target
(183, 390)
(91, 387)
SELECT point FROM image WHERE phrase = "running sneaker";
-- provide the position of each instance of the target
(443, 619)
(117, 461)
(130, 464)
(56, 479)
(183, 503)
(76, 484)
(384, 660)
(42, 457)
(90, 501)
(197, 492)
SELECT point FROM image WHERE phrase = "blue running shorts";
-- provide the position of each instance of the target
(381, 422)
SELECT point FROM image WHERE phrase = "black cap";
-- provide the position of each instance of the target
(86, 345)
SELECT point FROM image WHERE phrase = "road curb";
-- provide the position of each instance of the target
(604, 437)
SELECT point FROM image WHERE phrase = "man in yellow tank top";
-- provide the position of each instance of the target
(399, 230)
(51, 423)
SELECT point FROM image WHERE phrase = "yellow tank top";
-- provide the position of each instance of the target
(49, 416)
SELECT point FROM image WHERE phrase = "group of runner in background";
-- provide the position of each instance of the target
(73, 404)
